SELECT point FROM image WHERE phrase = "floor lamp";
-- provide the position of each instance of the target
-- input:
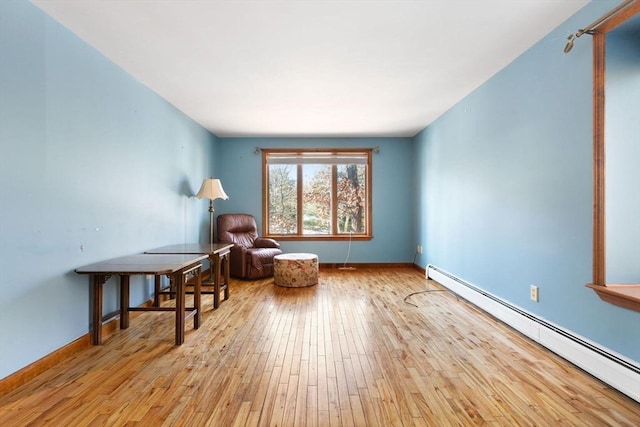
(211, 189)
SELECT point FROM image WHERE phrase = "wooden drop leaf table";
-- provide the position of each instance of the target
(176, 267)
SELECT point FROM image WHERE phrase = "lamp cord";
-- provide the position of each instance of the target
(348, 251)
(428, 291)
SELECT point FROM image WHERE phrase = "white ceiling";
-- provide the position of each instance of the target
(312, 68)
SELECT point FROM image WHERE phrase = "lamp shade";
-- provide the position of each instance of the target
(211, 189)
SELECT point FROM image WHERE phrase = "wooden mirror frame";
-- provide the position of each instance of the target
(623, 295)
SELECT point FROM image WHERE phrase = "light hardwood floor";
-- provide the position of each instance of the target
(349, 351)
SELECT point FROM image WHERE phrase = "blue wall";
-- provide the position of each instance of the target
(241, 175)
(92, 165)
(504, 189)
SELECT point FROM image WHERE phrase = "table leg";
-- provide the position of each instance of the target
(227, 266)
(124, 301)
(178, 282)
(96, 315)
(197, 289)
(172, 287)
(216, 280)
(156, 288)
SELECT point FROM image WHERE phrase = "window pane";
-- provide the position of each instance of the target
(283, 181)
(351, 199)
(316, 199)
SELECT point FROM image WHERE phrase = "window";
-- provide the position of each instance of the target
(625, 295)
(317, 194)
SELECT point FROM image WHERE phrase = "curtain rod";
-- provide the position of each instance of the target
(375, 149)
(591, 27)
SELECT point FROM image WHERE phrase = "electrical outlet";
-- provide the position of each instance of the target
(419, 249)
(533, 293)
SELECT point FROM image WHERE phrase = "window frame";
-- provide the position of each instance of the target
(623, 295)
(367, 235)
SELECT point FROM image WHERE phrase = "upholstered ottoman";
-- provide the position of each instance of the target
(295, 270)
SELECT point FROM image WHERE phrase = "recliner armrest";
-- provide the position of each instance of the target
(265, 242)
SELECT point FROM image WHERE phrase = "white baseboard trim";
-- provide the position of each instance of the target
(614, 369)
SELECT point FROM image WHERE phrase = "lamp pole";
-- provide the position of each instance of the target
(211, 226)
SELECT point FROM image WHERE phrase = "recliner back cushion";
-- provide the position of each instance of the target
(240, 229)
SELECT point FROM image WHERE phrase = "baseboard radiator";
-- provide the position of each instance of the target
(614, 369)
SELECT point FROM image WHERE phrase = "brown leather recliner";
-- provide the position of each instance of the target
(251, 255)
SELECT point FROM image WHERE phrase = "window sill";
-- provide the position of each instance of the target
(325, 237)
(627, 296)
